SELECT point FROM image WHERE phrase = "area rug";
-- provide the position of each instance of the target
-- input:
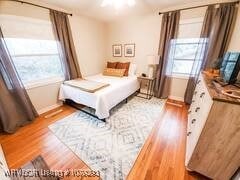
(110, 147)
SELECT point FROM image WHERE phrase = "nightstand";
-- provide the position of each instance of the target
(148, 92)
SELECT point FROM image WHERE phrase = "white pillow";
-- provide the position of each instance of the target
(132, 70)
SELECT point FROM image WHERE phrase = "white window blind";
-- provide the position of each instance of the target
(187, 48)
(27, 28)
(33, 48)
(190, 28)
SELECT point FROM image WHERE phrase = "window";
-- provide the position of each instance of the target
(35, 59)
(33, 48)
(183, 53)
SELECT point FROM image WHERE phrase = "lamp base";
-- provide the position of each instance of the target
(151, 72)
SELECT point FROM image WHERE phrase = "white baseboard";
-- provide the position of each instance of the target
(46, 109)
(176, 98)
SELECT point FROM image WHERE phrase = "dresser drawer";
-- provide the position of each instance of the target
(199, 119)
(198, 114)
(199, 85)
(189, 124)
(213, 138)
(189, 149)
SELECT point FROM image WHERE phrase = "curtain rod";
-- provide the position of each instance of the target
(24, 2)
(197, 7)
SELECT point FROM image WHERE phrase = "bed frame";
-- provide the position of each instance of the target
(80, 107)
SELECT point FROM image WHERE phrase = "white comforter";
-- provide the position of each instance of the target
(105, 99)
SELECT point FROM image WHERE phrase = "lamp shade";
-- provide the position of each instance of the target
(153, 59)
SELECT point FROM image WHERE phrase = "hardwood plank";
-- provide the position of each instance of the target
(162, 156)
(36, 139)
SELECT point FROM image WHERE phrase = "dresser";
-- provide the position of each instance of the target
(213, 131)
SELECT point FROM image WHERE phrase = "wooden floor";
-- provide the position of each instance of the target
(161, 158)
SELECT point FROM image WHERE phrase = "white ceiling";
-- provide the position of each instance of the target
(92, 8)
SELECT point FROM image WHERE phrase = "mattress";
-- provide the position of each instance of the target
(104, 99)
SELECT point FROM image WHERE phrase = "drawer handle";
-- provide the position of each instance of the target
(188, 134)
(198, 81)
(189, 112)
(202, 94)
(196, 110)
(193, 121)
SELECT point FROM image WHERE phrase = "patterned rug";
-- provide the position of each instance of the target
(111, 147)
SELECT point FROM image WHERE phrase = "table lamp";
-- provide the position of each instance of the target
(152, 60)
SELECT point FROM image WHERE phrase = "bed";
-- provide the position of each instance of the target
(105, 99)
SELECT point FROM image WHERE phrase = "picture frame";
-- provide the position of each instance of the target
(117, 50)
(129, 50)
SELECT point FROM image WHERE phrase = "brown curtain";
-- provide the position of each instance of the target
(208, 21)
(16, 108)
(169, 30)
(197, 65)
(62, 31)
(221, 32)
(217, 29)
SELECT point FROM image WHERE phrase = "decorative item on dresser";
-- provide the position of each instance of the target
(152, 62)
(213, 136)
(150, 84)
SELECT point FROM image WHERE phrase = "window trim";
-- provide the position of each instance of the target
(180, 76)
(30, 55)
(177, 59)
(44, 82)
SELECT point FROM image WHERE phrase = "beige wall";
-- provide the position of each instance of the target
(93, 41)
(144, 31)
(234, 43)
(45, 98)
(89, 38)
(90, 42)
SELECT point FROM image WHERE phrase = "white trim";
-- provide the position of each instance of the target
(176, 98)
(180, 76)
(174, 104)
(44, 82)
(24, 19)
(46, 109)
(34, 55)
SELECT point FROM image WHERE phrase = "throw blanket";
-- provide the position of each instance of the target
(86, 85)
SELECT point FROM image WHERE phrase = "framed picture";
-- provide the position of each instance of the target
(129, 50)
(117, 50)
